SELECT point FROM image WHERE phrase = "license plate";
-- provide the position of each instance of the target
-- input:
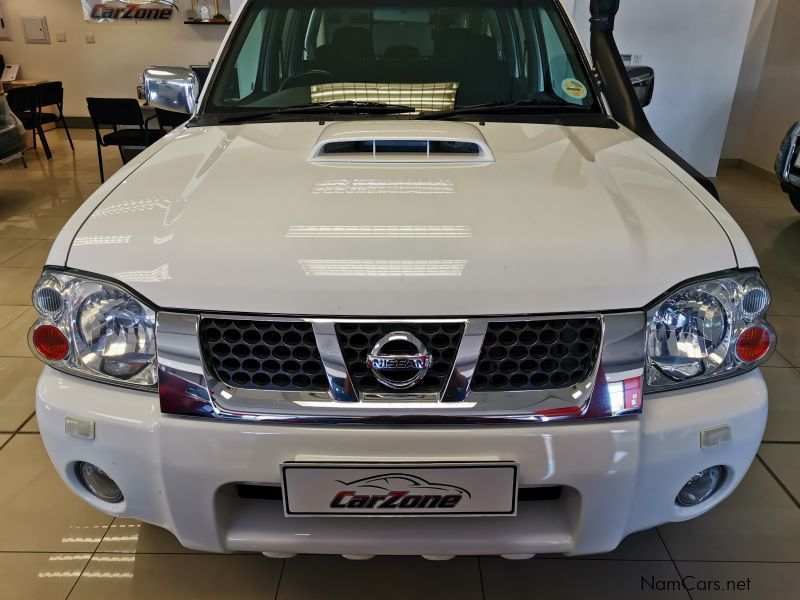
(394, 490)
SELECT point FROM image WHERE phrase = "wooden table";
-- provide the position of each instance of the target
(22, 83)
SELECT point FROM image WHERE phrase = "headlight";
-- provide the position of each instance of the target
(708, 330)
(95, 329)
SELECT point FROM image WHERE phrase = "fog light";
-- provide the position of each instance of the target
(98, 482)
(701, 487)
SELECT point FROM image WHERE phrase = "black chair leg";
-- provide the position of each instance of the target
(100, 160)
(122, 155)
(69, 137)
(24, 162)
(45, 145)
(33, 134)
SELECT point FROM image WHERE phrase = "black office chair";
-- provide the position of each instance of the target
(168, 119)
(116, 113)
(23, 102)
(52, 94)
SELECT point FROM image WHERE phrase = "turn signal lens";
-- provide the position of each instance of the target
(50, 342)
(753, 344)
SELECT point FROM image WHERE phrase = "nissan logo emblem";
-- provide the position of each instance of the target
(399, 360)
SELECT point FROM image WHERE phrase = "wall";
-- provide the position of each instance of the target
(776, 105)
(110, 66)
(696, 49)
(744, 100)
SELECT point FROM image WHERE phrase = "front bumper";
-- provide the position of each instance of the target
(619, 476)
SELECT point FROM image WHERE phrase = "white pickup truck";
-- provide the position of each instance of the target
(409, 281)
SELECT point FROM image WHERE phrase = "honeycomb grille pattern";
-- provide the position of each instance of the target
(441, 339)
(264, 355)
(537, 355)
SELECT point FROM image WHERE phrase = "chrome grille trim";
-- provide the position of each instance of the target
(434, 384)
(333, 361)
(188, 389)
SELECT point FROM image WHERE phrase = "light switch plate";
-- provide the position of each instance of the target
(36, 31)
(90, 38)
(61, 37)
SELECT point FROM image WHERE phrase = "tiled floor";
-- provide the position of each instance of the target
(52, 545)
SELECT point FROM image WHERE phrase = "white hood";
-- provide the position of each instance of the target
(562, 219)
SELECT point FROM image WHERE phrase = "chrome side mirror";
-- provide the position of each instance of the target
(172, 88)
(644, 81)
(787, 165)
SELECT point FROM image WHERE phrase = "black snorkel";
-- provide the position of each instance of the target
(619, 92)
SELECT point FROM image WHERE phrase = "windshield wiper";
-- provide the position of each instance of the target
(341, 107)
(518, 107)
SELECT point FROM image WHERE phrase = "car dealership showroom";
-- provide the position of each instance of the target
(452, 299)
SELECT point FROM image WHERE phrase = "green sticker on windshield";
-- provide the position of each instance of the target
(574, 89)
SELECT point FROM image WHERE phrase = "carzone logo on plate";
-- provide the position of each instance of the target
(397, 491)
(152, 10)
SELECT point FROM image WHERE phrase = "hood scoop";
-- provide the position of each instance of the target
(371, 142)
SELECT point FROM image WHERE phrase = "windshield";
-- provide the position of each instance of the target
(436, 56)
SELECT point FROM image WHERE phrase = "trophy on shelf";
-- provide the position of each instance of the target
(205, 11)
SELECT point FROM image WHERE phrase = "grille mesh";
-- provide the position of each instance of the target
(441, 339)
(537, 355)
(264, 355)
(515, 356)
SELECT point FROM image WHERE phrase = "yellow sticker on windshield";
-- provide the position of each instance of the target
(574, 89)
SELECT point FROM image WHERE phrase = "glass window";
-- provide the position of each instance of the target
(432, 56)
(559, 67)
(247, 61)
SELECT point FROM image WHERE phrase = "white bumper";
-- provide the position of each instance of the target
(619, 475)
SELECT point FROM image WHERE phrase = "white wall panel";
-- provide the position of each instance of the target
(110, 66)
(569, 5)
(744, 101)
(777, 104)
(235, 5)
